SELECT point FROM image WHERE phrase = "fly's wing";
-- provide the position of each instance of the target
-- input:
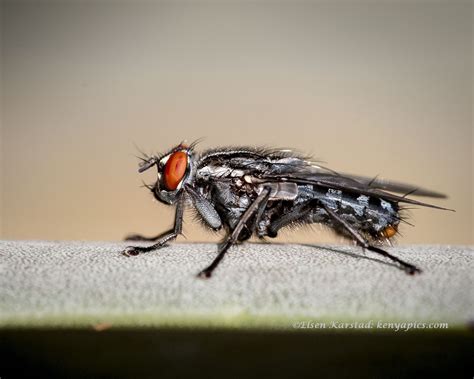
(302, 172)
(392, 186)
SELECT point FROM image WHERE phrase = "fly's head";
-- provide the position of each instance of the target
(175, 169)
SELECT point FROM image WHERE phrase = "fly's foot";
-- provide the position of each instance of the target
(205, 274)
(132, 251)
(412, 270)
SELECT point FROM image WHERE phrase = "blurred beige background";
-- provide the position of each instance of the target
(369, 88)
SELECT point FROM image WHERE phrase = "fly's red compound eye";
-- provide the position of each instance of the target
(174, 171)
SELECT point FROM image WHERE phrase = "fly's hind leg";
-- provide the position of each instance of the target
(162, 238)
(409, 268)
(253, 209)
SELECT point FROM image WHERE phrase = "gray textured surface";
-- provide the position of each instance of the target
(82, 283)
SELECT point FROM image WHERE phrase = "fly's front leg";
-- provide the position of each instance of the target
(251, 210)
(164, 237)
(409, 268)
(204, 208)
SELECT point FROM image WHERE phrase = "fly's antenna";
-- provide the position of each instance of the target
(147, 161)
(146, 164)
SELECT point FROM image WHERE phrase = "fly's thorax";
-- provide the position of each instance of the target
(214, 171)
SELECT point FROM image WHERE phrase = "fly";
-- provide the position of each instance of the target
(258, 191)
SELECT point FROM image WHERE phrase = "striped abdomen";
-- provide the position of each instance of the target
(373, 216)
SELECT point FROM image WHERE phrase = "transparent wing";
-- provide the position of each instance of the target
(393, 186)
(323, 177)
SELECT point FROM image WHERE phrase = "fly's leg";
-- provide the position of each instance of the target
(260, 209)
(409, 268)
(234, 236)
(164, 237)
(204, 208)
(298, 213)
(208, 213)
